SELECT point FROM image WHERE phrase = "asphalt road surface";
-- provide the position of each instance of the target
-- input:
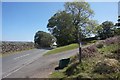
(32, 63)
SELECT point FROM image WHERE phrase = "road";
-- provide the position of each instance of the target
(19, 59)
(32, 63)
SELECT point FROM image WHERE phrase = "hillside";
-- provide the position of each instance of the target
(12, 46)
(100, 60)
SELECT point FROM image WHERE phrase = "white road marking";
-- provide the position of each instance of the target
(15, 70)
(21, 56)
(12, 72)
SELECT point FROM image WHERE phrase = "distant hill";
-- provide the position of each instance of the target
(12, 46)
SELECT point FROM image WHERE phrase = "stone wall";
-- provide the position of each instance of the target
(9, 46)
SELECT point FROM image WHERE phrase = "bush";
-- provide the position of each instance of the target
(107, 66)
(113, 40)
(99, 45)
(72, 69)
(84, 75)
(115, 54)
(89, 51)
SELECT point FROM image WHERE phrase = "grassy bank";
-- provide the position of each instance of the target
(90, 67)
(62, 49)
(68, 47)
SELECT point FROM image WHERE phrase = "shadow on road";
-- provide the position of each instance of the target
(45, 48)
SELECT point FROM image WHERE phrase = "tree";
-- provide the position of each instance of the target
(43, 39)
(81, 13)
(117, 31)
(75, 18)
(106, 30)
(61, 26)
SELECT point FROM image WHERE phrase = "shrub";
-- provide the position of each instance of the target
(72, 69)
(112, 40)
(84, 75)
(74, 58)
(107, 66)
(115, 54)
(89, 51)
(99, 45)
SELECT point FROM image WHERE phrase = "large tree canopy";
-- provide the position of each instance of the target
(61, 26)
(43, 39)
(67, 24)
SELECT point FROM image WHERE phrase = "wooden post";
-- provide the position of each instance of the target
(80, 61)
(80, 45)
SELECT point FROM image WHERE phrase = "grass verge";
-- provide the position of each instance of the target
(62, 49)
(68, 47)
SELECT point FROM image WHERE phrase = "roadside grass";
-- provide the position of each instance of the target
(62, 49)
(86, 69)
(57, 74)
(68, 47)
(109, 48)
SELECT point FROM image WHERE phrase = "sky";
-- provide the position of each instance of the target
(21, 20)
(58, 0)
(119, 8)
